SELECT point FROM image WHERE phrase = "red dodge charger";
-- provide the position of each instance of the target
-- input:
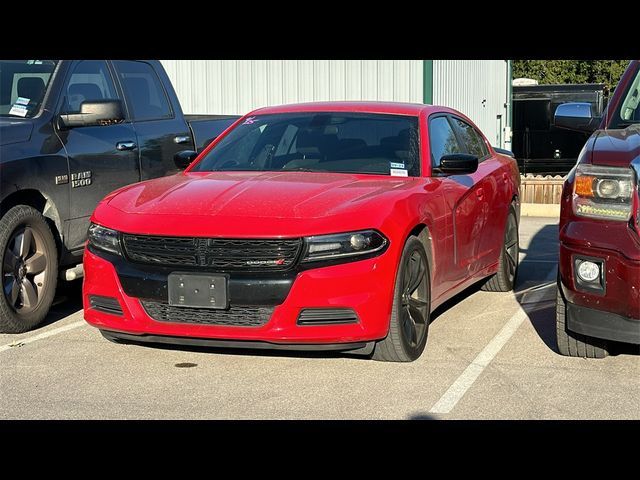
(335, 226)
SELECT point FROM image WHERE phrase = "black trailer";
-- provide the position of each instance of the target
(539, 146)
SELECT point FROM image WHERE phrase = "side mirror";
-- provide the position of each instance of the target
(458, 164)
(93, 113)
(576, 116)
(184, 158)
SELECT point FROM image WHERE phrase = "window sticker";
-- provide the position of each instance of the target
(249, 121)
(19, 110)
(22, 101)
(398, 172)
(396, 165)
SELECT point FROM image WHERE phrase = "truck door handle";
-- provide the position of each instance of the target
(505, 177)
(126, 145)
(480, 193)
(181, 138)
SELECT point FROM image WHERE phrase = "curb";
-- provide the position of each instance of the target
(539, 210)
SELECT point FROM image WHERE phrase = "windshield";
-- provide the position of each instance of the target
(23, 84)
(319, 142)
(628, 111)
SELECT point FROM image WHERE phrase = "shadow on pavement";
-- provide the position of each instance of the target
(68, 300)
(541, 256)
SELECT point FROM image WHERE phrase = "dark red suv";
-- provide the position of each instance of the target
(598, 299)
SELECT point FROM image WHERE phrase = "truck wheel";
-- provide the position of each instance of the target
(505, 278)
(29, 269)
(410, 313)
(574, 344)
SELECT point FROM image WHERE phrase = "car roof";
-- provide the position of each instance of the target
(397, 108)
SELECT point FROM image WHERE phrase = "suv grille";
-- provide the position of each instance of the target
(237, 316)
(213, 253)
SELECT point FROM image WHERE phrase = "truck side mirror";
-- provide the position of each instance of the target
(184, 158)
(93, 113)
(576, 116)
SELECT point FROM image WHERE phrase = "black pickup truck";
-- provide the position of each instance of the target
(71, 131)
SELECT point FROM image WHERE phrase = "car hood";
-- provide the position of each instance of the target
(15, 131)
(616, 148)
(274, 200)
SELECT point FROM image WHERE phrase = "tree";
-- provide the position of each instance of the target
(571, 71)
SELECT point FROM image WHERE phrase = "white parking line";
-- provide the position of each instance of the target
(40, 336)
(457, 390)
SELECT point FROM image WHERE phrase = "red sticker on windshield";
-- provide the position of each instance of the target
(249, 121)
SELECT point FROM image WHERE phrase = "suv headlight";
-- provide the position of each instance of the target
(104, 238)
(343, 245)
(603, 192)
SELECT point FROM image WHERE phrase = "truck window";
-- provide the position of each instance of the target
(146, 97)
(89, 81)
(23, 84)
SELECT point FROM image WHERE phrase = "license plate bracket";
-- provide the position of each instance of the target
(197, 290)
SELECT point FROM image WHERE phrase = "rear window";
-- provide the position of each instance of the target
(320, 142)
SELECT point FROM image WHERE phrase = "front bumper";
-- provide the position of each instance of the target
(599, 324)
(365, 286)
(612, 312)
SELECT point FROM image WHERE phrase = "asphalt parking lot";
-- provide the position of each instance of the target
(488, 356)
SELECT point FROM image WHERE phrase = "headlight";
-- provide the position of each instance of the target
(603, 192)
(104, 238)
(343, 245)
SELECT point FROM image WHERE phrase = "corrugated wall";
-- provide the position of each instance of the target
(479, 89)
(238, 86)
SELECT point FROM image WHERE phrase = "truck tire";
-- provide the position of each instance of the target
(29, 269)
(410, 313)
(573, 344)
(505, 278)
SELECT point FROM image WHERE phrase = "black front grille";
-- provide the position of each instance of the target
(327, 316)
(236, 316)
(223, 254)
(108, 305)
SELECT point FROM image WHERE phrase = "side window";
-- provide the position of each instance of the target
(442, 140)
(89, 81)
(146, 97)
(472, 141)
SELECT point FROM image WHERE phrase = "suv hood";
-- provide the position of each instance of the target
(616, 148)
(15, 131)
(250, 194)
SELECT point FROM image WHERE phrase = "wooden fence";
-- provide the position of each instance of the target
(539, 189)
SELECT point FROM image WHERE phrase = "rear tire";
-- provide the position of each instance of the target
(573, 344)
(505, 278)
(29, 269)
(410, 313)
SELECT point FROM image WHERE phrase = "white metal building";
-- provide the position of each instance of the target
(481, 89)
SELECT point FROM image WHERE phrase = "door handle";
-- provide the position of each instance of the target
(126, 145)
(480, 193)
(505, 176)
(181, 138)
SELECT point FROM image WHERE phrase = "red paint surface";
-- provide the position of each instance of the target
(466, 228)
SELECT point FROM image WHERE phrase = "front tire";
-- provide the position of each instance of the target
(29, 269)
(410, 313)
(573, 344)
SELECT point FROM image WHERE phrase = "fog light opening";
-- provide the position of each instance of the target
(588, 271)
